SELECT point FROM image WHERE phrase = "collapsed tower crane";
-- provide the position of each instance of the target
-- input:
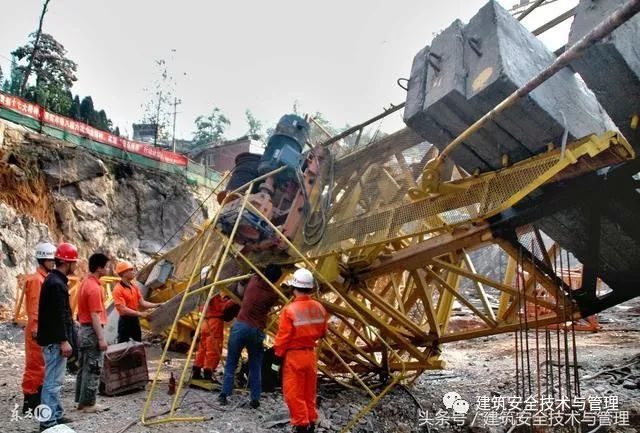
(490, 164)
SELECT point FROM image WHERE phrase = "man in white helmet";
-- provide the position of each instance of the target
(302, 323)
(34, 362)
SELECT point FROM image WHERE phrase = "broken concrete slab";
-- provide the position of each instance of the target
(414, 105)
(468, 70)
(611, 68)
(425, 85)
(446, 103)
(501, 55)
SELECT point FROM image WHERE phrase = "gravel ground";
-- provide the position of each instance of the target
(476, 368)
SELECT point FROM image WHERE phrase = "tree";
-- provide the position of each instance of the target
(1, 76)
(116, 131)
(55, 99)
(321, 128)
(87, 112)
(102, 122)
(211, 128)
(12, 84)
(254, 125)
(55, 73)
(49, 62)
(358, 140)
(74, 111)
(160, 96)
(35, 49)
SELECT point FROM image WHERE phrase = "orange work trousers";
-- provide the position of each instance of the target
(299, 377)
(210, 348)
(34, 365)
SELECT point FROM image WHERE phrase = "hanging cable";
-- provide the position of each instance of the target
(315, 224)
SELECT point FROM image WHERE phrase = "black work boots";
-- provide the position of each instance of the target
(31, 401)
(207, 374)
(196, 373)
(311, 428)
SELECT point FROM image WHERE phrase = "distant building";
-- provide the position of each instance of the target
(182, 146)
(221, 156)
(145, 132)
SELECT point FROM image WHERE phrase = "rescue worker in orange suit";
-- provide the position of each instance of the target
(211, 338)
(128, 301)
(302, 323)
(34, 362)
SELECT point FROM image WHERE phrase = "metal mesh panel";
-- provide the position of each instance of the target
(370, 204)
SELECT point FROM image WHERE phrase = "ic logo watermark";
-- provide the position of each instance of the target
(41, 413)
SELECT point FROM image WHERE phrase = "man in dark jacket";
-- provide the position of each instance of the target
(248, 331)
(55, 333)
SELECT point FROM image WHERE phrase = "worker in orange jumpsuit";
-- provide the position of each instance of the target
(211, 339)
(302, 323)
(34, 362)
(129, 301)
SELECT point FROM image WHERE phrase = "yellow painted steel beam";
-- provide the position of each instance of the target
(508, 279)
(490, 282)
(543, 320)
(454, 293)
(426, 296)
(478, 286)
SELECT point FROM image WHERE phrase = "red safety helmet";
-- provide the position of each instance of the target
(67, 252)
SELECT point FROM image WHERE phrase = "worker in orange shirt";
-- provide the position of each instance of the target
(211, 339)
(34, 362)
(302, 323)
(92, 317)
(128, 301)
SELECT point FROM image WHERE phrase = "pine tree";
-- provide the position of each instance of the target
(87, 112)
(15, 78)
(74, 111)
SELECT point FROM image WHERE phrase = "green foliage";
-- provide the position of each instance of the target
(87, 111)
(50, 64)
(254, 125)
(324, 131)
(54, 98)
(12, 84)
(1, 76)
(54, 77)
(211, 128)
(74, 110)
(103, 122)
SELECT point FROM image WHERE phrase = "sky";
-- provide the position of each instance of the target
(341, 58)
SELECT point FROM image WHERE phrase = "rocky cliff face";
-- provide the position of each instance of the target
(51, 190)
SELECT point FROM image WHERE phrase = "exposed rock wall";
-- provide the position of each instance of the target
(51, 190)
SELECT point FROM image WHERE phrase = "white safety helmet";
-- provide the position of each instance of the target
(204, 271)
(45, 251)
(302, 278)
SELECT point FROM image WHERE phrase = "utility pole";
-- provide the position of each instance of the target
(27, 72)
(176, 102)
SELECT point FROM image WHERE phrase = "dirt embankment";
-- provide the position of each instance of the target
(51, 190)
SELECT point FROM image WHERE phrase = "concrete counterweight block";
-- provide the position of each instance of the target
(611, 68)
(471, 69)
